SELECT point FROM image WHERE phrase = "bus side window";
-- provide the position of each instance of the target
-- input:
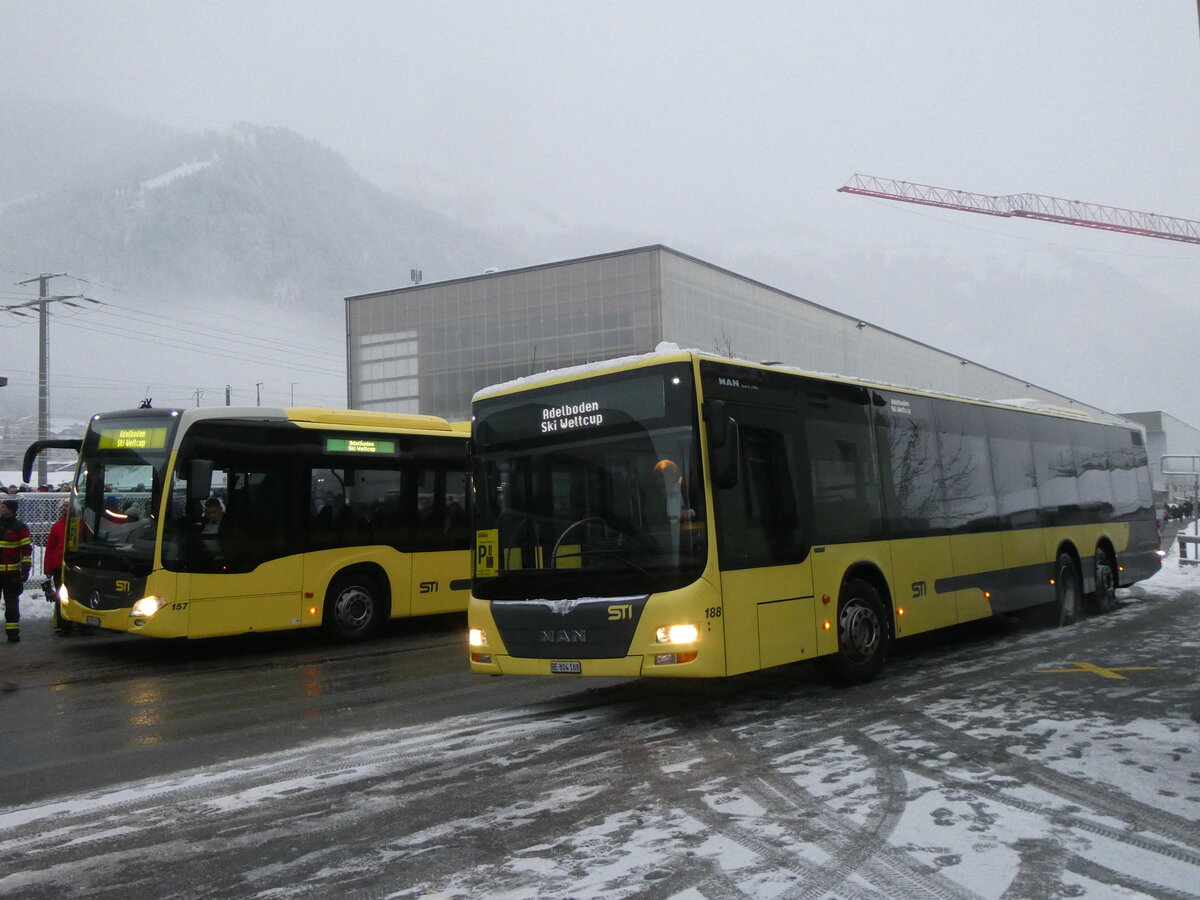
(906, 438)
(441, 509)
(327, 506)
(1013, 470)
(968, 492)
(845, 486)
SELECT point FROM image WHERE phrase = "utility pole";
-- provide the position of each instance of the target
(43, 307)
(258, 393)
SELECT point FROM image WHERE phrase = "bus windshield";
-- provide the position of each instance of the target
(114, 500)
(593, 488)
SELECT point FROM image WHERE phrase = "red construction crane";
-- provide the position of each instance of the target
(1029, 206)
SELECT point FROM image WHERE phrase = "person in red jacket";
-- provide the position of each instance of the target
(52, 563)
(16, 559)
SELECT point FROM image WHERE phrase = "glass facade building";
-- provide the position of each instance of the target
(428, 348)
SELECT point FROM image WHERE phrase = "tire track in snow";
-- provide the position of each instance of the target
(969, 751)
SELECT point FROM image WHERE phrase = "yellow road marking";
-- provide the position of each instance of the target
(1102, 671)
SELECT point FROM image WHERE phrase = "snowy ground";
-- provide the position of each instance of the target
(953, 776)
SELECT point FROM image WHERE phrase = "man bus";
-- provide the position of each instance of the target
(680, 514)
(224, 520)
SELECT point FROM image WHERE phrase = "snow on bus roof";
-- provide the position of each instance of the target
(668, 348)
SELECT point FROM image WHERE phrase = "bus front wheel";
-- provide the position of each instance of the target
(353, 610)
(863, 634)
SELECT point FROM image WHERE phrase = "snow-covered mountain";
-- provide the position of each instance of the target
(254, 212)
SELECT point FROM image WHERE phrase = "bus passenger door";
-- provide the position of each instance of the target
(243, 546)
(766, 579)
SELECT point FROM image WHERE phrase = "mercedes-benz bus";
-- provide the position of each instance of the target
(682, 514)
(225, 520)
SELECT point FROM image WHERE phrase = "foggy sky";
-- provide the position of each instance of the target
(723, 130)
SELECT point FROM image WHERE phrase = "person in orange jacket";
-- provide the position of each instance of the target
(16, 560)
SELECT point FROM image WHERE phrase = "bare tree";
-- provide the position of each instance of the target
(723, 344)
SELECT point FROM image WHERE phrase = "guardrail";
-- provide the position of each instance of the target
(1184, 540)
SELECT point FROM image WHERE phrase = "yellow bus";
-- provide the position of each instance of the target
(225, 520)
(681, 514)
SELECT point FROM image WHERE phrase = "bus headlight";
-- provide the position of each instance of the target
(146, 607)
(477, 638)
(63, 597)
(677, 634)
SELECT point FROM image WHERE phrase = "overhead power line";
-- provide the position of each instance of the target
(42, 305)
(276, 325)
(298, 364)
(1029, 206)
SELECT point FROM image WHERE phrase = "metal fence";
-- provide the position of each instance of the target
(38, 510)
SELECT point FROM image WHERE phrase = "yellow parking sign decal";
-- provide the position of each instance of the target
(487, 541)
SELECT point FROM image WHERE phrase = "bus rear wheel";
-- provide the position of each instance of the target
(1106, 581)
(864, 634)
(1068, 590)
(353, 611)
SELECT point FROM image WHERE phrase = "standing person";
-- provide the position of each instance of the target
(16, 559)
(52, 563)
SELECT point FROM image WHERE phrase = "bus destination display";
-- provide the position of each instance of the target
(132, 438)
(366, 446)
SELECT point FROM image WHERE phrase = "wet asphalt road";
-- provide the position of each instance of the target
(1003, 759)
(81, 712)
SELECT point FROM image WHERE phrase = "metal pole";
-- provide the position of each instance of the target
(43, 370)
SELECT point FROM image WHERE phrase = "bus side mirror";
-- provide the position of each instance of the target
(199, 479)
(723, 445)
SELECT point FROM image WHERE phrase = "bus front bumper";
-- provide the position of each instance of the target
(165, 623)
(484, 663)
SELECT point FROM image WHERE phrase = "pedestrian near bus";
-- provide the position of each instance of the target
(16, 560)
(52, 563)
